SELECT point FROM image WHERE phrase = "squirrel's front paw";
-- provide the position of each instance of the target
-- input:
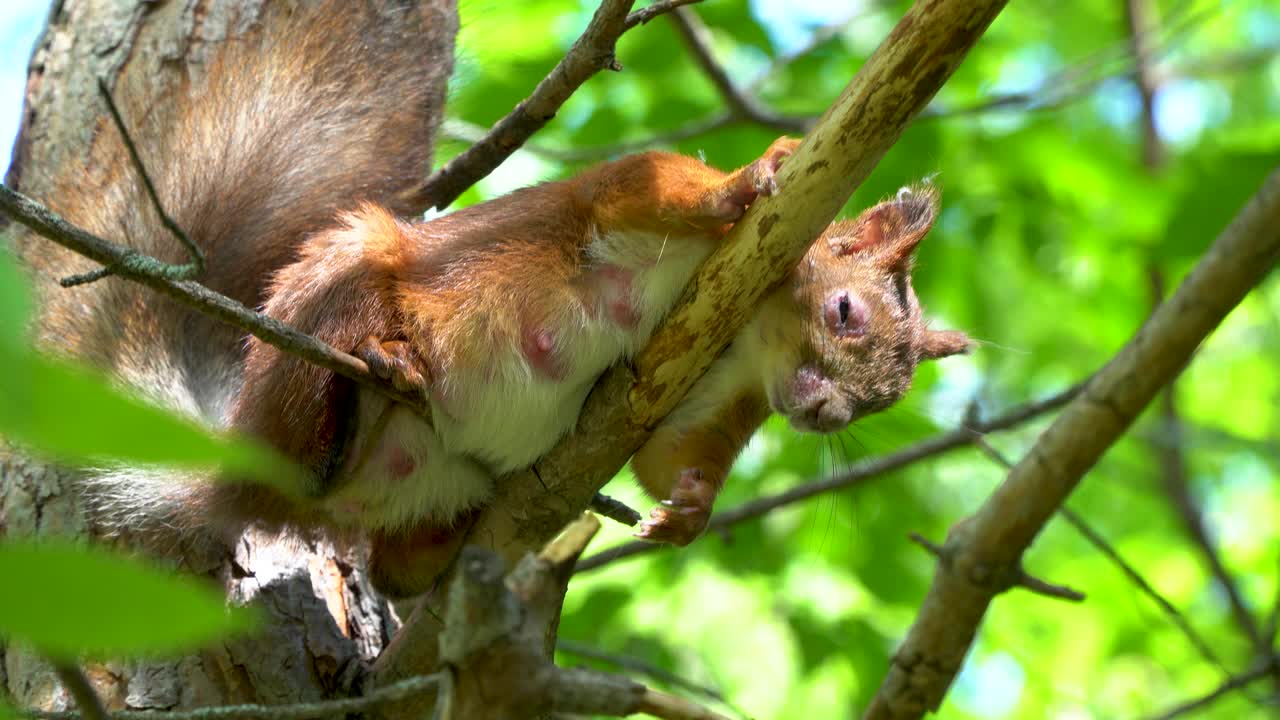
(395, 361)
(759, 178)
(680, 519)
(764, 171)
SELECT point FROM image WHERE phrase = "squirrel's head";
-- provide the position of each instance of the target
(842, 338)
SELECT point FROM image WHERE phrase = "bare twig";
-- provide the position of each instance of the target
(670, 707)
(821, 36)
(998, 534)
(1235, 683)
(77, 683)
(637, 665)
(863, 472)
(741, 104)
(1018, 578)
(138, 267)
(1169, 450)
(615, 509)
(196, 266)
(654, 9)
(1139, 16)
(299, 711)
(591, 53)
(1100, 543)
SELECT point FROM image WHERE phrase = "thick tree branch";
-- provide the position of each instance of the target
(895, 83)
(993, 540)
(970, 434)
(498, 630)
(132, 265)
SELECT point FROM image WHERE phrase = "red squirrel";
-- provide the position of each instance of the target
(505, 313)
(502, 314)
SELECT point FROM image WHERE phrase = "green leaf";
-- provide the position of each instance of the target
(55, 407)
(66, 599)
(15, 298)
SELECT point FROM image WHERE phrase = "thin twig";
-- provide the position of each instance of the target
(298, 711)
(741, 104)
(77, 683)
(936, 445)
(592, 52)
(1095, 538)
(1021, 578)
(196, 267)
(1235, 683)
(821, 36)
(670, 707)
(614, 509)
(637, 665)
(468, 132)
(653, 10)
(141, 268)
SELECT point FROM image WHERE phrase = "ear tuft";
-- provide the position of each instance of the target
(937, 344)
(891, 230)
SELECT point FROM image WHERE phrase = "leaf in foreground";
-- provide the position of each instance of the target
(66, 599)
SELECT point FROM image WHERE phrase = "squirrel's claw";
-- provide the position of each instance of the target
(396, 362)
(680, 519)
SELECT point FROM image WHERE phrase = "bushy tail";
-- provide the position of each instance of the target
(319, 107)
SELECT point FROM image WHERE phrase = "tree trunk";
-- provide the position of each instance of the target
(323, 624)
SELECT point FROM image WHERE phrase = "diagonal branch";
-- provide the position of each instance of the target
(863, 123)
(592, 52)
(1100, 543)
(993, 539)
(132, 265)
(742, 104)
(970, 434)
(1233, 684)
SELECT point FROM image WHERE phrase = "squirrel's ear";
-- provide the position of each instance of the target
(936, 344)
(891, 230)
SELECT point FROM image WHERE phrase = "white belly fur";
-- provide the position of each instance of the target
(511, 415)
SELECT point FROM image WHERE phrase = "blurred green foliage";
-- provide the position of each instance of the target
(1052, 228)
(796, 615)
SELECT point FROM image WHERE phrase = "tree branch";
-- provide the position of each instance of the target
(297, 711)
(1236, 683)
(742, 105)
(498, 633)
(895, 83)
(592, 52)
(923, 450)
(995, 537)
(1095, 538)
(146, 270)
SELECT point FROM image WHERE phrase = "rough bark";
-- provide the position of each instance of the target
(323, 622)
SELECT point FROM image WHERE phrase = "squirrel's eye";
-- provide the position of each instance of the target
(845, 315)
